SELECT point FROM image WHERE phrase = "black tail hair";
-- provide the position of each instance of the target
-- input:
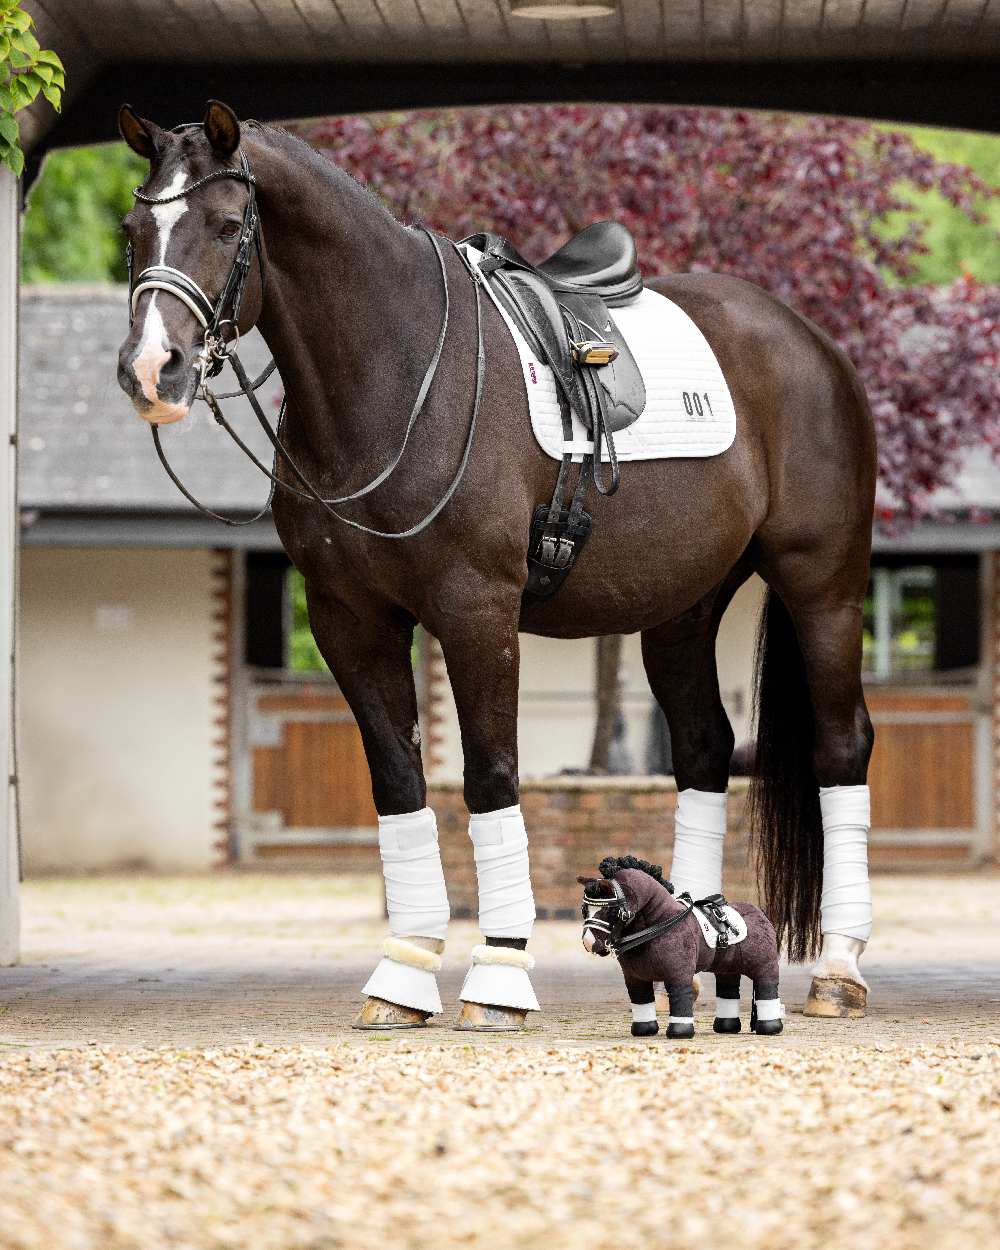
(786, 828)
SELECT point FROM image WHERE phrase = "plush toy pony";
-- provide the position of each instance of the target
(658, 936)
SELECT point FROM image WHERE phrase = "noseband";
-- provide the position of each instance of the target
(211, 317)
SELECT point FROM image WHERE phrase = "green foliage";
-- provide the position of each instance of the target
(957, 246)
(25, 71)
(71, 228)
(305, 656)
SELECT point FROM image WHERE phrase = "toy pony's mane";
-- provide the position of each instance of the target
(615, 863)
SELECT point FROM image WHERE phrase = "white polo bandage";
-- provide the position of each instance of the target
(643, 1013)
(506, 904)
(699, 834)
(846, 903)
(770, 1009)
(727, 1009)
(681, 1020)
(415, 894)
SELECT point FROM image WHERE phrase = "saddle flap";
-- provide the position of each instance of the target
(587, 317)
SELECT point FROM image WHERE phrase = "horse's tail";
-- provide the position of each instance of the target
(786, 828)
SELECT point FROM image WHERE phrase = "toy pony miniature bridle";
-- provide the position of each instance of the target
(617, 940)
(211, 317)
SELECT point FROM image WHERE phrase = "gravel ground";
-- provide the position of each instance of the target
(383, 1145)
(176, 1070)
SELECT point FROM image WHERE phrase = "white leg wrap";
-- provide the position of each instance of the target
(506, 904)
(417, 903)
(499, 978)
(770, 1009)
(415, 894)
(643, 1013)
(727, 1008)
(846, 906)
(699, 834)
(681, 1020)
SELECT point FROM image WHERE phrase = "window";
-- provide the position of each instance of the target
(921, 619)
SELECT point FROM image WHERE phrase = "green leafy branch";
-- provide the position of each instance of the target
(26, 70)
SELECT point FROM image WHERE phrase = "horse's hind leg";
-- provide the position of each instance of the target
(823, 593)
(727, 1004)
(370, 657)
(679, 657)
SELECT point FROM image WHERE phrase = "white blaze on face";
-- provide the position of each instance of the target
(588, 941)
(153, 352)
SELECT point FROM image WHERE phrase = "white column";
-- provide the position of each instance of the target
(9, 858)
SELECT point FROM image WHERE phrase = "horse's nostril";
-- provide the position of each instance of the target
(173, 364)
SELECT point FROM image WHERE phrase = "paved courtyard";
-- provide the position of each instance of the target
(177, 1072)
(280, 959)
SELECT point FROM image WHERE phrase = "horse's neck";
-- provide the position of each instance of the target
(651, 897)
(344, 283)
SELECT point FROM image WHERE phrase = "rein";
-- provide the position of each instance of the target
(216, 353)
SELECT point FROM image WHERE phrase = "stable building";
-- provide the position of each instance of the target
(164, 725)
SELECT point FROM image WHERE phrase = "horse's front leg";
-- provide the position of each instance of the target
(481, 651)
(368, 651)
(643, 1000)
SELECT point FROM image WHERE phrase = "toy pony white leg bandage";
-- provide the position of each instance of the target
(499, 975)
(417, 903)
(846, 905)
(699, 834)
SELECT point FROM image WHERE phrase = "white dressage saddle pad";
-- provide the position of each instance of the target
(710, 933)
(689, 410)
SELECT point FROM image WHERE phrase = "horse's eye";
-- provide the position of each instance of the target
(230, 228)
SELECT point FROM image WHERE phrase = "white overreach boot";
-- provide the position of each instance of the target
(838, 989)
(497, 993)
(403, 991)
(699, 837)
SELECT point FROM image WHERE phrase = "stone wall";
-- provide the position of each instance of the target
(573, 822)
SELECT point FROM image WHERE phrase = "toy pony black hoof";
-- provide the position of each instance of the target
(767, 1028)
(645, 1028)
(728, 1024)
(680, 1030)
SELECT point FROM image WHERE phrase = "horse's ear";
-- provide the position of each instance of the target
(587, 880)
(222, 128)
(142, 136)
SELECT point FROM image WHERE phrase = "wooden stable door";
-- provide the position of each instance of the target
(309, 781)
(925, 774)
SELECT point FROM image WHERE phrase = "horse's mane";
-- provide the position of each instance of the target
(612, 864)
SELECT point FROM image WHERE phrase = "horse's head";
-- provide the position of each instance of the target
(605, 913)
(194, 239)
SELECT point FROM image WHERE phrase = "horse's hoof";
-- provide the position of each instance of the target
(379, 1014)
(727, 1024)
(478, 1018)
(680, 1030)
(768, 1028)
(836, 998)
(645, 1028)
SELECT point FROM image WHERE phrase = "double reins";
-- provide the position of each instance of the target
(216, 352)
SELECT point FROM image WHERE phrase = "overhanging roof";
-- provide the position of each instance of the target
(906, 60)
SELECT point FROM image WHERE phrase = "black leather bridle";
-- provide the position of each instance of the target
(216, 351)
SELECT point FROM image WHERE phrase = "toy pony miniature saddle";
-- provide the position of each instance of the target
(721, 925)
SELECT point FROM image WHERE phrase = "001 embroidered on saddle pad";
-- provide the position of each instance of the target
(689, 410)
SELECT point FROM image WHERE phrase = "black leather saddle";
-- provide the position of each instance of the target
(561, 306)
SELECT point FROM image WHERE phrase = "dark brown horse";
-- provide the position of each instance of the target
(351, 309)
